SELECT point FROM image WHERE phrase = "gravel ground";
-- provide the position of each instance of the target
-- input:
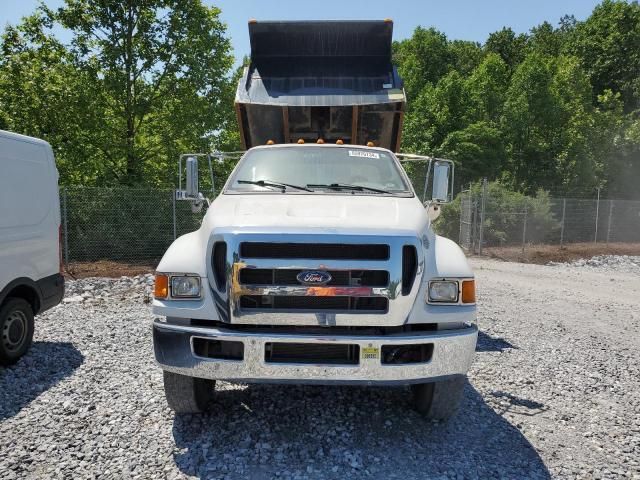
(610, 263)
(554, 393)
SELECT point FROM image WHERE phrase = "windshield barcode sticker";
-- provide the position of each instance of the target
(361, 153)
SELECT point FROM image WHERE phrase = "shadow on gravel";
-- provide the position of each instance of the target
(42, 367)
(487, 343)
(263, 431)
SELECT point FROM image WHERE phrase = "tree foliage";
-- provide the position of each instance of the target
(138, 83)
(556, 108)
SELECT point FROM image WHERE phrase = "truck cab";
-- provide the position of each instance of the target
(317, 263)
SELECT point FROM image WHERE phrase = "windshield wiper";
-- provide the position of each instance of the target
(346, 186)
(269, 183)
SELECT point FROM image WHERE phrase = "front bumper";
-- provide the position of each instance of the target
(453, 352)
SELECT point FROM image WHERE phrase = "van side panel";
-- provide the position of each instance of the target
(29, 210)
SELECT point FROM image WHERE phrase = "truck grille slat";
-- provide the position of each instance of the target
(315, 251)
(292, 302)
(267, 276)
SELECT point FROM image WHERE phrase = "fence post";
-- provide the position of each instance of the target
(564, 209)
(173, 207)
(461, 215)
(65, 228)
(484, 196)
(474, 225)
(609, 220)
(524, 228)
(595, 238)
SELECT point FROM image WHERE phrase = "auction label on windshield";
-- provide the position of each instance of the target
(370, 352)
(361, 153)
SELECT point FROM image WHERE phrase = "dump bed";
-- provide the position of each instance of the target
(329, 80)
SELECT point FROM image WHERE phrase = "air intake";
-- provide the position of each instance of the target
(320, 251)
(219, 264)
(409, 268)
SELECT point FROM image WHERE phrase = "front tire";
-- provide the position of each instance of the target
(188, 394)
(439, 400)
(16, 330)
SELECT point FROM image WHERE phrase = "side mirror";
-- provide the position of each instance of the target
(192, 187)
(441, 181)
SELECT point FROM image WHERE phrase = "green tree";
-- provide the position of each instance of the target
(465, 56)
(608, 45)
(164, 66)
(508, 45)
(437, 111)
(43, 94)
(422, 59)
(487, 85)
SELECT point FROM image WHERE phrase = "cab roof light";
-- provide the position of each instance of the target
(339, 142)
(320, 141)
(270, 142)
(370, 144)
(253, 20)
(300, 141)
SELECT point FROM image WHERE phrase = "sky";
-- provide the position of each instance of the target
(458, 19)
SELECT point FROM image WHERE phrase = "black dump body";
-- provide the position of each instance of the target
(329, 80)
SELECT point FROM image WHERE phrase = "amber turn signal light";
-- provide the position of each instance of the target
(300, 141)
(370, 144)
(339, 142)
(469, 291)
(161, 287)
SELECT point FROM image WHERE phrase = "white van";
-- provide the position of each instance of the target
(31, 278)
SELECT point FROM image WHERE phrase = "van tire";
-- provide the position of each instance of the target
(439, 400)
(188, 394)
(16, 330)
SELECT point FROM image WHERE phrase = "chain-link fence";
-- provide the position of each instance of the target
(137, 225)
(486, 221)
(122, 224)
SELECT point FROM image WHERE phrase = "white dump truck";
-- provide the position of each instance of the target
(317, 262)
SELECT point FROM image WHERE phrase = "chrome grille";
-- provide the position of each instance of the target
(366, 288)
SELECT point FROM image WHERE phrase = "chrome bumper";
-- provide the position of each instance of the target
(453, 352)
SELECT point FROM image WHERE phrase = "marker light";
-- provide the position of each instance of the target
(161, 287)
(370, 144)
(339, 142)
(469, 291)
(270, 142)
(300, 141)
(320, 140)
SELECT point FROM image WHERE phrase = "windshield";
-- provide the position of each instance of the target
(304, 168)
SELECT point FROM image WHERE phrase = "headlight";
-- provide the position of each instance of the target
(443, 291)
(185, 286)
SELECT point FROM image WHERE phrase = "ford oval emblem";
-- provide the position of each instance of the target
(313, 277)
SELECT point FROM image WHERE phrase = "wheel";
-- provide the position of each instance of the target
(188, 394)
(16, 330)
(438, 400)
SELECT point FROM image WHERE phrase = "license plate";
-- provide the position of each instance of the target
(370, 353)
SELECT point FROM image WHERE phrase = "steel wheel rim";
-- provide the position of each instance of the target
(14, 331)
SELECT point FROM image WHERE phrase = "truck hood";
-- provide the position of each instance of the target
(325, 212)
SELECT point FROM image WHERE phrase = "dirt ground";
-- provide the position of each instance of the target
(543, 254)
(539, 254)
(108, 269)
